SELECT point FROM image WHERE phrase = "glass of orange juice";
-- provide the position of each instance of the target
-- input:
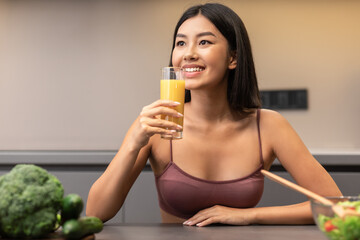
(172, 87)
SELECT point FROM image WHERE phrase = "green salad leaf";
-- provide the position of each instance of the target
(337, 228)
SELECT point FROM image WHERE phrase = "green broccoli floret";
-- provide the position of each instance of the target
(30, 199)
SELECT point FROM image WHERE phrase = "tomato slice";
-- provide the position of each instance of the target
(329, 226)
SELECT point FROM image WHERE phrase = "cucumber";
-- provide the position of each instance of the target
(72, 207)
(78, 228)
(72, 229)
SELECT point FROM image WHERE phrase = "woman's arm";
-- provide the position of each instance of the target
(108, 193)
(294, 156)
(290, 214)
(286, 145)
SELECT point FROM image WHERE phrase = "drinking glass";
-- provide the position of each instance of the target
(172, 87)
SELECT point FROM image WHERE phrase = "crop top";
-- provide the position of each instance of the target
(183, 195)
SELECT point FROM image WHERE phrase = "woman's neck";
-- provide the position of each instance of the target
(209, 106)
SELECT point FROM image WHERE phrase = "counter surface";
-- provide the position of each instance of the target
(177, 231)
(99, 157)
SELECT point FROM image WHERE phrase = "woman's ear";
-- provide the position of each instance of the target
(233, 61)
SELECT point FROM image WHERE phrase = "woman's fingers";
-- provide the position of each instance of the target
(201, 216)
(207, 221)
(222, 214)
(152, 112)
(151, 126)
(201, 221)
(155, 130)
(160, 107)
(149, 122)
(161, 102)
(159, 123)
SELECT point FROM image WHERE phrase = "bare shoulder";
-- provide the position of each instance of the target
(275, 128)
(273, 118)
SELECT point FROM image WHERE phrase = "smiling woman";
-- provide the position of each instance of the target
(238, 47)
(199, 45)
(213, 174)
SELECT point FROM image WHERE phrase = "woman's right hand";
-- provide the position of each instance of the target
(149, 121)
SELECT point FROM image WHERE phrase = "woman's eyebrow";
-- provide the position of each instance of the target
(206, 34)
(181, 35)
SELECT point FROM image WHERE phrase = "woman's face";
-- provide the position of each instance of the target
(202, 52)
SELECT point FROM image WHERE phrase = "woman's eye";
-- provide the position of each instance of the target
(180, 43)
(204, 42)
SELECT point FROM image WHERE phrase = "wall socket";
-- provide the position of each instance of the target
(284, 99)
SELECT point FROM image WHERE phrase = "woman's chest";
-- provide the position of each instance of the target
(218, 159)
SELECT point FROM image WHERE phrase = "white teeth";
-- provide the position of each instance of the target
(197, 69)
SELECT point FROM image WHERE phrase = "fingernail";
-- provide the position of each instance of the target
(185, 223)
(198, 225)
(179, 114)
(179, 127)
(177, 103)
(173, 131)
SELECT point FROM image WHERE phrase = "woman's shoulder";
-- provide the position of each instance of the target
(272, 120)
(271, 115)
(264, 115)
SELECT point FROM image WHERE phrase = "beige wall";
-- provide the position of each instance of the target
(75, 74)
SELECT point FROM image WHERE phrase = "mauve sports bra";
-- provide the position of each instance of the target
(183, 195)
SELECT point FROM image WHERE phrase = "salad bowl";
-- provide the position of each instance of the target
(336, 227)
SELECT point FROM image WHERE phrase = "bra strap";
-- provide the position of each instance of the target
(259, 137)
(171, 151)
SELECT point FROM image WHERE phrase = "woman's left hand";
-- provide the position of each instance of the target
(221, 214)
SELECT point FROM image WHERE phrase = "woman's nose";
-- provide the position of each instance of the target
(190, 55)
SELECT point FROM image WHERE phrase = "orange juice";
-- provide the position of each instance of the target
(171, 89)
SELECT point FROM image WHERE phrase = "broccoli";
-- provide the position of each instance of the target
(30, 199)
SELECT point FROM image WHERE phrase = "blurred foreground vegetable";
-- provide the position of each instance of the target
(78, 228)
(74, 226)
(30, 199)
(72, 207)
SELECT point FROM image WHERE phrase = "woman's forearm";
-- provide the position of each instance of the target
(108, 193)
(290, 214)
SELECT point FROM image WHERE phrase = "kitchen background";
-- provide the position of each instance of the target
(74, 74)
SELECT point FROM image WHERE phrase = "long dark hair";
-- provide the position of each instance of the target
(242, 90)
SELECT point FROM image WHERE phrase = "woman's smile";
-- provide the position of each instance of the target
(202, 52)
(192, 71)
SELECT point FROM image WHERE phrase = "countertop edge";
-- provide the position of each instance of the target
(103, 157)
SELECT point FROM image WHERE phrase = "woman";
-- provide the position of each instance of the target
(213, 174)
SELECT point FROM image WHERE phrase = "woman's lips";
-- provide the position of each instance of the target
(193, 69)
(190, 72)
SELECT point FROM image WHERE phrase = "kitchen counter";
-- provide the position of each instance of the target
(103, 157)
(78, 170)
(178, 231)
